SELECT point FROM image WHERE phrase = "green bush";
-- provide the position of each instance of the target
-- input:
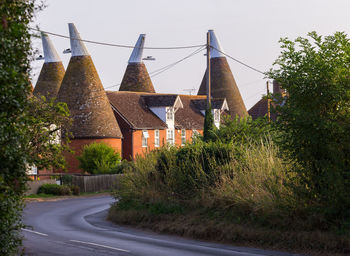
(54, 189)
(75, 189)
(67, 179)
(124, 166)
(99, 158)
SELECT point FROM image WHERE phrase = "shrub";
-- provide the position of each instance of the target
(124, 166)
(67, 179)
(75, 189)
(99, 158)
(54, 189)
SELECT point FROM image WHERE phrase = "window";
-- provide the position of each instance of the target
(145, 137)
(183, 137)
(195, 133)
(170, 136)
(170, 113)
(216, 115)
(156, 138)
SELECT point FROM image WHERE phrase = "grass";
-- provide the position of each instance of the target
(244, 198)
(49, 196)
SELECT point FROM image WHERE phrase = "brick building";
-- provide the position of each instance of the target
(82, 90)
(135, 119)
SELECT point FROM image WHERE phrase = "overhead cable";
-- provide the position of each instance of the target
(119, 45)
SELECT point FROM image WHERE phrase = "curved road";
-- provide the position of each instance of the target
(78, 227)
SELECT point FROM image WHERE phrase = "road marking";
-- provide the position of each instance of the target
(100, 245)
(35, 232)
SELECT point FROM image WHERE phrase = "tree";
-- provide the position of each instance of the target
(47, 120)
(99, 158)
(15, 17)
(209, 127)
(28, 125)
(315, 120)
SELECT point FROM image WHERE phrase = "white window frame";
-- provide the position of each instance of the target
(216, 115)
(145, 137)
(183, 137)
(170, 136)
(195, 133)
(156, 138)
(170, 114)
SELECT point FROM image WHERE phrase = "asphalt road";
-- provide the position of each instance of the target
(78, 227)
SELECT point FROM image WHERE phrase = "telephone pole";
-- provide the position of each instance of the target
(268, 101)
(208, 71)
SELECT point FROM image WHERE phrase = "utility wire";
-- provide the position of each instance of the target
(165, 68)
(240, 62)
(119, 45)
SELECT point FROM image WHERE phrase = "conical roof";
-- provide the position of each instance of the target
(136, 77)
(223, 84)
(52, 72)
(83, 92)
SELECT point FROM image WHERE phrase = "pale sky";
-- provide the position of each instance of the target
(248, 30)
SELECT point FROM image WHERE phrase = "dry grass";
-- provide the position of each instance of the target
(250, 204)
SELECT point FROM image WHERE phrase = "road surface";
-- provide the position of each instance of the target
(78, 227)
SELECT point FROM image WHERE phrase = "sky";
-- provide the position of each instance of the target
(249, 30)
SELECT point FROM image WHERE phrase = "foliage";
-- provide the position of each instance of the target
(75, 190)
(99, 158)
(315, 121)
(209, 127)
(54, 189)
(46, 121)
(67, 179)
(14, 91)
(244, 130)
(124, 166)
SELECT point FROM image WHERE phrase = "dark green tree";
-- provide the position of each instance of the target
(15, 53)
(315, 120)
(209, 127)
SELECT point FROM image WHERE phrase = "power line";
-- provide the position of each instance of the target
(165, 68)
(240, 62)
(119, 45)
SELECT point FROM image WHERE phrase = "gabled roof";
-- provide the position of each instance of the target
(201, 104)
(260, 109)
(189, 117)
(134, 110)
(163, 100)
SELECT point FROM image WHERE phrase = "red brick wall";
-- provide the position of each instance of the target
(137, 142)
(77, 146)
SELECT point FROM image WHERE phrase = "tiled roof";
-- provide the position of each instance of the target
(50, 79)
(260, 110)
(189, 117)
(223, 85)
(132, 107)
(136, 79)
(160, 100)
(201, 104)
(82, 90)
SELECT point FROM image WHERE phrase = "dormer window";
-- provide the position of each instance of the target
(170, 114)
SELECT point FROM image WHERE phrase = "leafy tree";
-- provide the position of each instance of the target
(46, 121)
(209, 127)
(315, 120)
(243, 130)
(99, 158)
(26, 123)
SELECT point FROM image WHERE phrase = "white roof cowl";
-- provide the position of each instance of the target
(50, 53)
(136, 55)
(214, 42)
(77, 46)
